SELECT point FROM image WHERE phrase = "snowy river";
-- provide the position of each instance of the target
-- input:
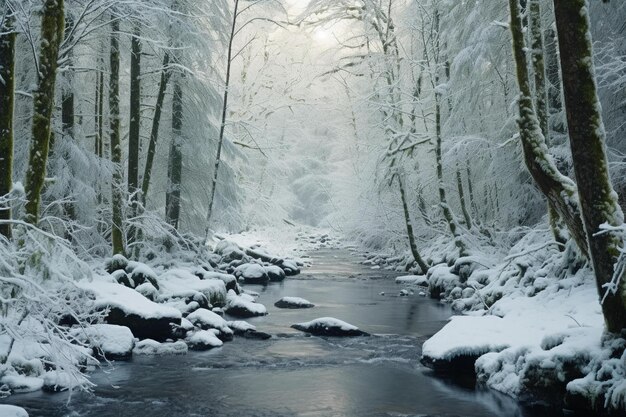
(292, 374)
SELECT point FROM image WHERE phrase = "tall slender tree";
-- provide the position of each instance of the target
(175, 162)
(7, 97)
(598, 200)
(117, 196)
(135, 118)
(52, 31)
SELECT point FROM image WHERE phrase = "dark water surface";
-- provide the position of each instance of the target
(292, 374)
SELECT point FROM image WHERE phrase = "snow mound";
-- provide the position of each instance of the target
(12, 411)
(329, 326)
(181, 283)
(293, 302)
(252, 273)
(152, 347)
(21, 383)
(240, 326)
(109, 340)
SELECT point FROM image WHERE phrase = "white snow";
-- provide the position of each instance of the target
(111, 339)
(412, 279)
(328, 322)
(296, 301)
(209, 319)
(250, 271)
(12, 411)
(204, 338)
(236, 301)
(241, 326)
(179, 282)
(109, 294)
(22, 383)
(152, 347)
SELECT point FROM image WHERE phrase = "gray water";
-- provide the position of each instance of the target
(293, 374)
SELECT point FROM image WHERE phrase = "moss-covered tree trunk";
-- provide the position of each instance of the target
(598, 200)
(52, 30)
(68, 113)
(175, 161)
(541, 98)
(117, 194)
(559, 190)
(7, 97)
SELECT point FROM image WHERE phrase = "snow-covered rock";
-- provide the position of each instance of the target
(329, 326)
(293, 302)
(441, 281)
(108, 340)
(230, 281)
(238, 306)
(252, 274)
(290, 267)
(59, 381)
(152, 347)
(275, 273)
(206, 319)
(413, 280)
(247, 330)
(183, 284)
(21, 383)
(203, 340)
(146, 319)
(12, 411)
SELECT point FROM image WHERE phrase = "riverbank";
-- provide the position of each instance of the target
(531, 324)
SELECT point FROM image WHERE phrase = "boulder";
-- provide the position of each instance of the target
(275, 273)
(238, 306)
(7, 410)
(252, 274)
(293, 302)
(206, 319)
(329, 326)
(115, 263)
(126, 307)
(203, 340)
(151, 347)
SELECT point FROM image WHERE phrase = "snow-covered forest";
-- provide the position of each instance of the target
(162, 161)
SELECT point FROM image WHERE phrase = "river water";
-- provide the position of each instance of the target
(293, 374)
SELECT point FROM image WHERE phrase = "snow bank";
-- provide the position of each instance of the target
(413, 279)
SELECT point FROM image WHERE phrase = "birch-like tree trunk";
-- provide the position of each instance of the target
(7, 98)
(117, 195)
(559, 190)
(52, 30)
(598, 200)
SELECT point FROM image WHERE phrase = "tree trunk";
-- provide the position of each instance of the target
(67, 117)
(52, 26)
(135, 118)
(466, 215)
(559, 190)
(541, 99)
(7, 97)
(154, 133)
(409, 229)
(220, 139)
(117, 195)
(175, 162)
(598, 200)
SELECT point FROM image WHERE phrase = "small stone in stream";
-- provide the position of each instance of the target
(293, 302)
(58, 381)
(329, 326)
(238, 306)
(254, 334)
(382, 293)
(404, 293)
(422, 293)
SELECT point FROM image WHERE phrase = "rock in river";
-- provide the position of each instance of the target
(329, 326)
(293, 302)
